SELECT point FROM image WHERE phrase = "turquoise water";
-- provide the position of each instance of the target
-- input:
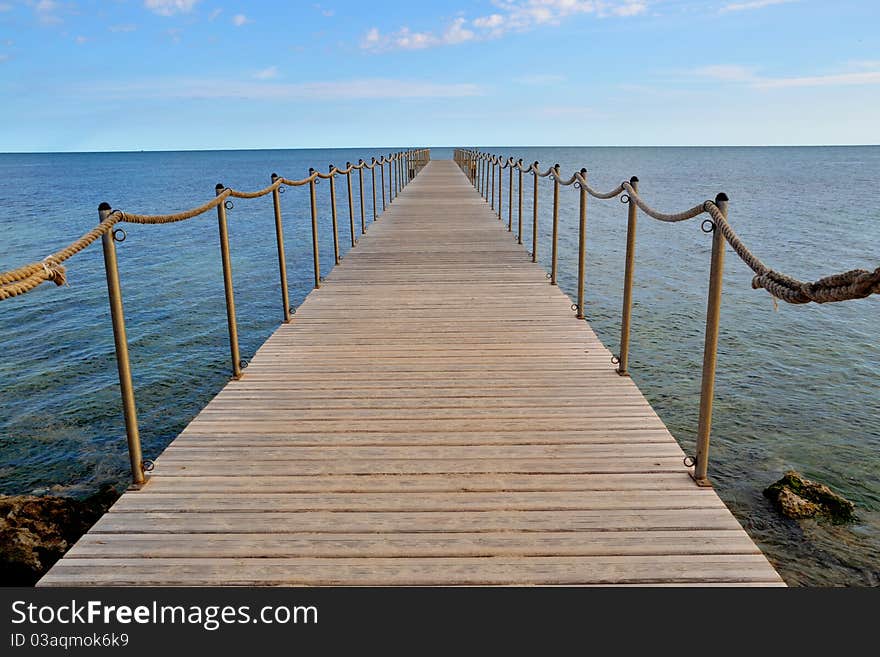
(797, 386)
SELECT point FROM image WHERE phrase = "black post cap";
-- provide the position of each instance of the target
(721, 198)
(219, 187)
(634, 180)
(104, 207)
(274, 175)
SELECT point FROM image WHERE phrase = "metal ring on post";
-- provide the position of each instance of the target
(624, 198)
(119, 235)
(548, 274)
(615, 360)
(228, 205)
(710, 229)
(689, 461)
(148, 465)
(574, 307)
(282, 189)
(243, 363)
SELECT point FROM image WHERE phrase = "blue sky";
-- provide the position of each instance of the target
(200, 74)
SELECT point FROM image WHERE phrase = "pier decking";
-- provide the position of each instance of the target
(433, 415)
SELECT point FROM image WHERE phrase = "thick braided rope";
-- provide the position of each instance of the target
(853, 284)
(172, 218)
(695, 211)
(262, 192)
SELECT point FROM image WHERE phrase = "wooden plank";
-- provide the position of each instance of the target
(433, 415)
(421, 571)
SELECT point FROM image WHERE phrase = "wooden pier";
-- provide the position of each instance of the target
(433, 415)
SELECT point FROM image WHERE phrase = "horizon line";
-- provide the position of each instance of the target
(376, 148)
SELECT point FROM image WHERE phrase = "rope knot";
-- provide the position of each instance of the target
(55, 272)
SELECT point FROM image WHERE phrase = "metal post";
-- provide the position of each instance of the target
(227, 284)
(373, 183)
(555, 247)
(333, 213)
(582, 247)
(361, 189)
(519, 191)
(632, 218)
(710, 349)
(510, 164)
(282, 261)
(314, 203)
(123, 365)
(535, 217)
(492, 204)
(500, 179)
(382, 172)
(350, 203)
(390, 178)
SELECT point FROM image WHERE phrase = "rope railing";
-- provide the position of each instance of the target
(480, 168)
(23, 279)
(402, 166)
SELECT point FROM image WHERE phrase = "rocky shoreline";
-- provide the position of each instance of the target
(36, 531)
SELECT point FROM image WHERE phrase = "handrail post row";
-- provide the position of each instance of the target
(710, 349)
(382, 173)
(631, 223)
(333, 214)
(519, 229)
(510, 195)
(120, 340)
(361, 190)
(227, 285)
(373, 183)
(582, 246)
(314, 203)
(535, 216)
(555, 247)
(350, 203)
(282, 261)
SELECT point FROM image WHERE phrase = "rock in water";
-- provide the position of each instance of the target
(35, 531)
(798, 497)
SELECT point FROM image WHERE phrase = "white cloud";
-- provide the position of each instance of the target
(512, 15)
(540, 79)
(81, 39)
(840, 79)
(359, 89)
(46, 11)
(240, 19)
(726, 72)
(170, 7)
(214, 14)
(267, 73)
(753, 4)
(747, 75)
